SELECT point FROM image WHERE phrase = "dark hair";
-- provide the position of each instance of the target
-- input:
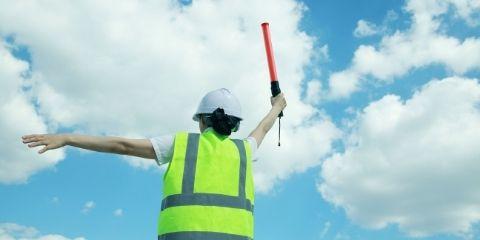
(221, 122)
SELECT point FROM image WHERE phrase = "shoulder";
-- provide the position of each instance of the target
(162, 145)
(251, 142)
(162, 140)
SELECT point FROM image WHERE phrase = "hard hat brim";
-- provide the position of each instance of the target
(196, 117)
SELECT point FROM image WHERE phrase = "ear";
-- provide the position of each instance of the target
(203, 120)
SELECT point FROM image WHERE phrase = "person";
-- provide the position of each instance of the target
(208, 190)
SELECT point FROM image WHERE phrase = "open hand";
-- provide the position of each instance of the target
(49, 141)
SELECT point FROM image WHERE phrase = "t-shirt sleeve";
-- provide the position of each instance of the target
(253, 147)
(163, 147)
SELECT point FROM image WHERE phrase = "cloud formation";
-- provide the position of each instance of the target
(118, 212)
(13, 231)
(88, 206)
(139, 69)
(424, 43)
(413, 163)
(365, 28)
(18, 117)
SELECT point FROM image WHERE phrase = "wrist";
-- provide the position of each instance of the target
(67, 139)
(277, 109)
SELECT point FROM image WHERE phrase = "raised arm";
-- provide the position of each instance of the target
(278, 104)
(118, 145)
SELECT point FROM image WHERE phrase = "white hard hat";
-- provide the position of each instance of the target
(220, 98)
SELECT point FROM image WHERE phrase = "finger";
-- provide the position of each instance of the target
(33, 138)
(27, 136)
(30, 136)
(29, 140)
(36, 144)
(44, 149)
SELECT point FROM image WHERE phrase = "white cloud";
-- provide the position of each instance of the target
(464, 9)
(314, 91)
(423, 44)
(296, 154)
(142, 163)
(88, 206)
(13, 231)
(365, 29)
(323, 53)
(18, 117)
(118, 212)
(140, 68)
(412, 163)
(343, 83)
(326, 227)
(342, 236)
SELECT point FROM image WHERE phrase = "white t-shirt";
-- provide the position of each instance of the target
(163, 146)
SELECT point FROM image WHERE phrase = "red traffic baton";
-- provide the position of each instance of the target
(274, 85)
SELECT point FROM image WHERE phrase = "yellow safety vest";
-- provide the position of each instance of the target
(208, 191)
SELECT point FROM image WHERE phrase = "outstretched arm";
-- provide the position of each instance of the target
(124, 146)
(278, 104)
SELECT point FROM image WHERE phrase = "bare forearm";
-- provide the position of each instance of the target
(125, 146)
(267, 122)
(97, 143)
(265, 125)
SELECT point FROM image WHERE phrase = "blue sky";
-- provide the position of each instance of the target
(53, 199)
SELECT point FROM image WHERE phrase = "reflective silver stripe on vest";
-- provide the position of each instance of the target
(190, 163)
(243, 167)
(206, 199)
(201, 236)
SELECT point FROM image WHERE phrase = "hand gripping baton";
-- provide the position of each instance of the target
(274, 85)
